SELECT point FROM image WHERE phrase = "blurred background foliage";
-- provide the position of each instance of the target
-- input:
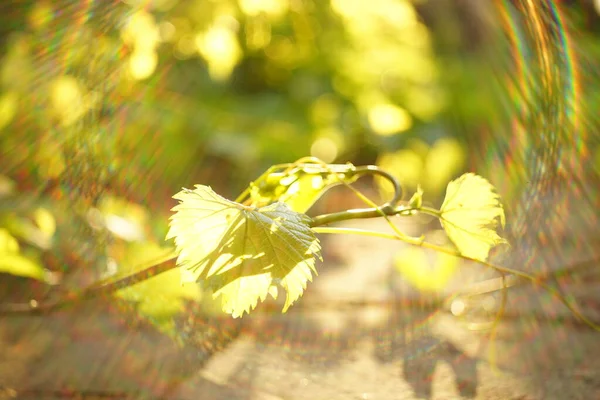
(107, 108)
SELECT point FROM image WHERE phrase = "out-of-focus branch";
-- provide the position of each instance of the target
(39, 308)
(35, 307)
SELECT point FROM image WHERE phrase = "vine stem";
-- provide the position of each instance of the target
(371, 212)
(441, 249)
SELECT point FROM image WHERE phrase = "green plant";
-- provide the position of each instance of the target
(244, 250)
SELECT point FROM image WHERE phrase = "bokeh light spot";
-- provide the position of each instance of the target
(141, 32)
(388, 119)
(325, 110)
(426, 273)
(45, 222)
(186, 47)
(220, 48)
(404, 164)
(425, 104)
(166, 31)
(8, 108)
(65, 92)
(325, 149)
(142, 64)
(457, 307)
(66, 97)
(445, 160)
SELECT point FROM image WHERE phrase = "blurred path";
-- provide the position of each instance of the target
(401, 347)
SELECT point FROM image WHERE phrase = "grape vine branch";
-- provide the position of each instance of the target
(469, 215)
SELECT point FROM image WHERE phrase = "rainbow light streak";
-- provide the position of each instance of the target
(572, 88)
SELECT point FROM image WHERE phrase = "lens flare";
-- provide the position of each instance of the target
(128, 100)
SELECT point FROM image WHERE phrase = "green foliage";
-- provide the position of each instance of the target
(241, 252)
(161, 297)
(34, 226)
(220, 89)
(13, 262)
(470, 215)
(298, 185)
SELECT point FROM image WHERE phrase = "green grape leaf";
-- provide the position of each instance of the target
(299, 185)
(470, 215)
(239, 252)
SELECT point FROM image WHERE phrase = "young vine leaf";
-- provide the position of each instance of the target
(299, 185)
(416, 201)
(241, 253)
(470, 214)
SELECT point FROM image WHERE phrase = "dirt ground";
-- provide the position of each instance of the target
(359, 332)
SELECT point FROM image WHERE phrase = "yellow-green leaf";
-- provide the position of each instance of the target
(470, 215)
(416, 201)
(299, 186)
(242, 252)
